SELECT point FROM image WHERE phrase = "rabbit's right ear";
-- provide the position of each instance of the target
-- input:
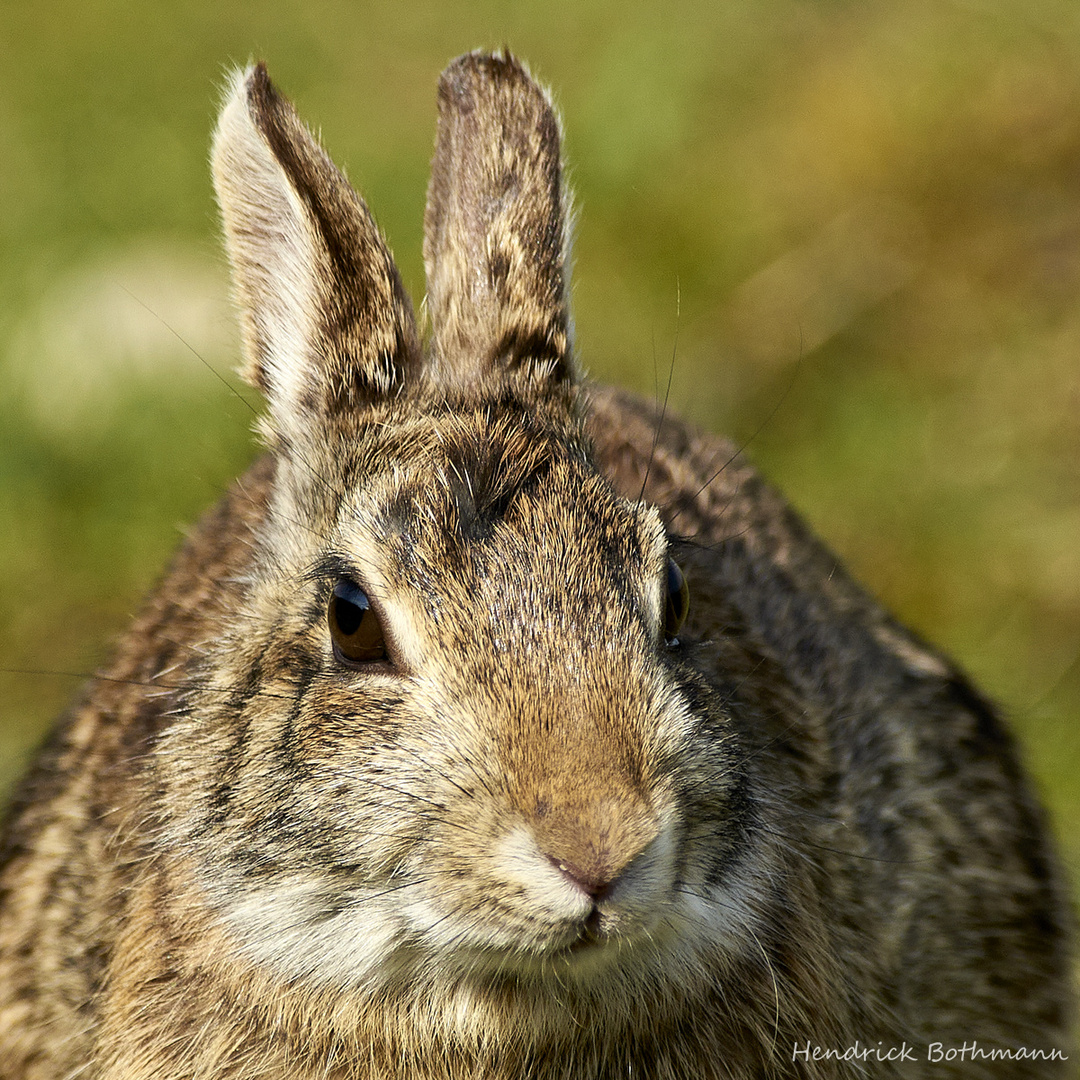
(327, 325)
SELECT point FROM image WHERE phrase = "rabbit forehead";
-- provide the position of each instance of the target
(491, 528)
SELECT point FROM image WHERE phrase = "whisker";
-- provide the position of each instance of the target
(150, 684)
(191, 348)
(667, 392)
(796, 367)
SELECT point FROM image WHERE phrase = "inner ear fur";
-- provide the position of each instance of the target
(327, 325)
(495, 234)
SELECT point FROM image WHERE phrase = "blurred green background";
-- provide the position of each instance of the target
(852, 228)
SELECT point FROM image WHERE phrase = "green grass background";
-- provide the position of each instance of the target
(855, 226)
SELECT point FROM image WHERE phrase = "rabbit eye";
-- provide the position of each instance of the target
(678, 601)
(354, 627)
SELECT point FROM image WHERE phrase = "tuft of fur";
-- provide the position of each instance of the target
(552, 834)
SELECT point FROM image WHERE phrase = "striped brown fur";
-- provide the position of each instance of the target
(551, 833)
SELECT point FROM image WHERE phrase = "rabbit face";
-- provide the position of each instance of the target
(505, 788)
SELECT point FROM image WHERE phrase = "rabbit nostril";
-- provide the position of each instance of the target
(594, 883)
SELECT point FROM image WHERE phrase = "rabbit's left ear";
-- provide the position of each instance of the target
(327, 325)
(495, 237)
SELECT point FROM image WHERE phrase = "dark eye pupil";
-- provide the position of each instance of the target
(354, 628)
(678, 600)
(349, 616)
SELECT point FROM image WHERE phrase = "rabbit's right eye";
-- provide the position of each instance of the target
(354, 628)
(678, 602)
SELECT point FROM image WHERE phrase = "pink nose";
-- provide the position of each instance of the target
(593, 880)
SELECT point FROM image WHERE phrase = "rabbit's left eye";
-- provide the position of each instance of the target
(355, 629)
(678, 602)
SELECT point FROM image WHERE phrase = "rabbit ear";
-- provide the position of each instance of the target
(495, 246)
(327, 325)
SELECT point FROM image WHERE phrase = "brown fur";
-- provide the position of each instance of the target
(542, 839)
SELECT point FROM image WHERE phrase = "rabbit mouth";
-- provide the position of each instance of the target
(528, 945)
(583, 956)
(594, 941)
(593, 935)
(590, 935)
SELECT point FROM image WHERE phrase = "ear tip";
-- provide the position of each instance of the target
(261, 92)
(496, 62)
(247, 86)
(475, 71)
(249, 99)
(253, 104)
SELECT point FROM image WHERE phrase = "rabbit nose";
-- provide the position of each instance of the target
(595, 883)
(592, 845)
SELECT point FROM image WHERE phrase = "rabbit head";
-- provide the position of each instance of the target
(449, 732)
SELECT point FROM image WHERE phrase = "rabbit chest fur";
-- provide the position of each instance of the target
(419, 765)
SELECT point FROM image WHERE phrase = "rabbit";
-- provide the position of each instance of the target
(497, 724)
